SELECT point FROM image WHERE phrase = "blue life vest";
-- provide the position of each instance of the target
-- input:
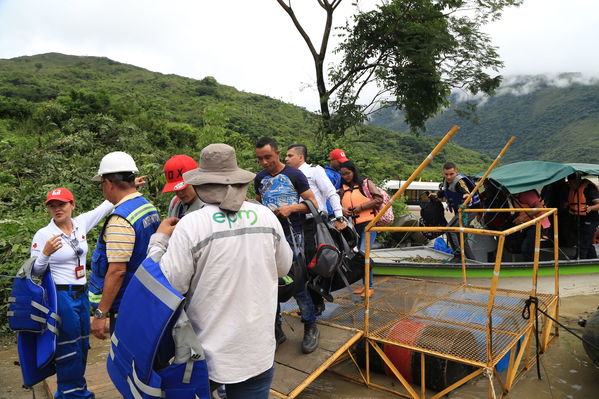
(455, 199)
(152, 329)
(33, 314)
(144, 219)
(335, 178)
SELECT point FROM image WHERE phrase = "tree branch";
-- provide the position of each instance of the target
(299, 27)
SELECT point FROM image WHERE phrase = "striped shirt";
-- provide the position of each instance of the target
(119, 236)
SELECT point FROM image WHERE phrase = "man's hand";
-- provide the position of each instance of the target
(339, 225)
(140, 181)
(167, 226)
(98, 327)
(284, 211)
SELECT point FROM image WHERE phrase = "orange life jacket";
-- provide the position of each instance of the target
(577, 202)
(352, 197)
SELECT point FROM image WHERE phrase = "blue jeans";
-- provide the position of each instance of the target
(361, 230)
(72, 346)
(257, 387)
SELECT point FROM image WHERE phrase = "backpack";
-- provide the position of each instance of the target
(327, 258)
(388, 216)
(295, 280)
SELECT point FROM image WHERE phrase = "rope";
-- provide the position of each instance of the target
(489, 374)
(526, 316)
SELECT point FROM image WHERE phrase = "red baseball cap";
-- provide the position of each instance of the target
(339, 155)
(173, 171)
(59, 194)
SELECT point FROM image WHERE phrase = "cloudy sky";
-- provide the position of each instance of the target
(251, 44)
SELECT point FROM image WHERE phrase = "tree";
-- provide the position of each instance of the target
(416, 51)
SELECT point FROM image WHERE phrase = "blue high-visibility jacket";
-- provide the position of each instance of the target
(152, 329)
(144, 219)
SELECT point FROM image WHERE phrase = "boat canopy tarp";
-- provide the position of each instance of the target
(528, 175)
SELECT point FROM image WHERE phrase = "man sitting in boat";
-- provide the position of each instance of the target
(583, 203)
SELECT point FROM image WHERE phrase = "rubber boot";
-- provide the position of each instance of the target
(280, 336)
(311, 335)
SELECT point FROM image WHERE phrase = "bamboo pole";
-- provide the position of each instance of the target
(535, 265)
(414, 175)
(489, 169)
(324, 366)
(556, 267)
(530, 222)
(491, 302)
(394, 370)
(422, 375)
(511, 373)
(441, 230)
(458, 383)
(462, 251)
(367, 300)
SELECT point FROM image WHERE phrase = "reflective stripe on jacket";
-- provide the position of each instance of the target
(154, 350)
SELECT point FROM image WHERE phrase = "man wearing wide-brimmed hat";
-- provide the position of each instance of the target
(226, 258)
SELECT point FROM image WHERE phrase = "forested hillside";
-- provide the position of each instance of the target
(554, 119)
(60, 114)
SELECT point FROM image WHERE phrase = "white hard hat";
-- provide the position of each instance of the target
(115, 162)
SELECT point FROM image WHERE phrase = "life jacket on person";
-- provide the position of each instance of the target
(525, 215)
(32, 312)
(455, 199)
(144, 219)
(352, 197)
(577, 201)
(153, 328)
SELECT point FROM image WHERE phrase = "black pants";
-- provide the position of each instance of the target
(588, 227)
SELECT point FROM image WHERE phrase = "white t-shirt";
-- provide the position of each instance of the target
(64, 261)
(227, 266)
(323, 189)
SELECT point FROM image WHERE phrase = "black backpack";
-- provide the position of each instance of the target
(327, 258)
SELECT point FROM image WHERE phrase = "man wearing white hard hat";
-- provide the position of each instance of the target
(123, 241)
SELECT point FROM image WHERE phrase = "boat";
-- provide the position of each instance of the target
(497, 190)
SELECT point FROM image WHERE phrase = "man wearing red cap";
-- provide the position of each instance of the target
(185, 199)
(336, 158)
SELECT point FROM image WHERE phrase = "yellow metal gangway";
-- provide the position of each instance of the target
(419, 321)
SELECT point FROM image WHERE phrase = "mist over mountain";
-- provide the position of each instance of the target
(554, 118)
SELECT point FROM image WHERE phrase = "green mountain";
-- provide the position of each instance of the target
(60, 114)
(553, 119)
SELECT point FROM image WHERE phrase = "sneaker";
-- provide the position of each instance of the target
(311, 335)
(280, 336)
(359, 290)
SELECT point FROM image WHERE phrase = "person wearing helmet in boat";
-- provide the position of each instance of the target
(583, 203)
(185, 199)
(123, 241)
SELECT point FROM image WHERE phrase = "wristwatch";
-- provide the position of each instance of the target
(98, 314)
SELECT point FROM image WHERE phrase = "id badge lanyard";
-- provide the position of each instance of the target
(74, 244)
